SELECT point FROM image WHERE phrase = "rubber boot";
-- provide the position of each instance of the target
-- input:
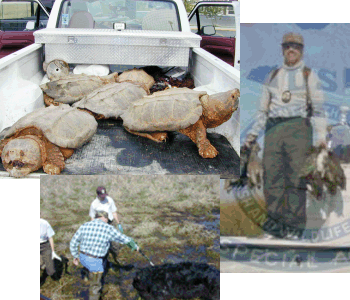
(95, 290)
(43, 277)
(84, 274)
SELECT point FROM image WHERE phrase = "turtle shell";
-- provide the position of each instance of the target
(137, 75)
(74, 87)
(62, 125)
(111, 100)
(168, 110)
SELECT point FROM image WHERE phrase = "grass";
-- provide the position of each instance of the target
(164, 214)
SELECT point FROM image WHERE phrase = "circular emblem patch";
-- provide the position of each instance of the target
(286, 96)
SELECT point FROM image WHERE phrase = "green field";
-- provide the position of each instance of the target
(172, 218)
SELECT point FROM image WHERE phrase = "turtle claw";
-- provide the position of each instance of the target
(51, 169)
(159, 136)
(208, 151)
(50, 101)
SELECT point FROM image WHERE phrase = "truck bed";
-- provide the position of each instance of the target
(113, 150)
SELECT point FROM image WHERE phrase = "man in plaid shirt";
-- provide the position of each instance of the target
(94, 239)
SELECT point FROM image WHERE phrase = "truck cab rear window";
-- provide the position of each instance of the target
(135, 15)
(15, 15)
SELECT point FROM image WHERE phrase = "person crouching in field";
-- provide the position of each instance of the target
(94, 239)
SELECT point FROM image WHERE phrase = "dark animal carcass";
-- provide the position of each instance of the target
(186, 280)
(60, 267)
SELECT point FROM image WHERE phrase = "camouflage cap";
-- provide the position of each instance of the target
(292, 37)
(101, 213)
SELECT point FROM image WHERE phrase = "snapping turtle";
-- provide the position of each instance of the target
(73, 88)
(45, 138)
(137, 75)
(181, 109)
(111, 100)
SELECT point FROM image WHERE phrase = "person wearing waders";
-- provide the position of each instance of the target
(93, 240)
(103, 202)
(291, 100)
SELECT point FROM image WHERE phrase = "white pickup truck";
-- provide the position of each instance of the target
(112, 150)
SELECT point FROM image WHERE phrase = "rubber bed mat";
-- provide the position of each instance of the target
(113, 150)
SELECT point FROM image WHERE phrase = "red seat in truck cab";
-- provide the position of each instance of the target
(222, 47)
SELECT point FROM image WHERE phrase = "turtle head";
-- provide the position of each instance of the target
(56, 69)
(21, 156)
(218, 108)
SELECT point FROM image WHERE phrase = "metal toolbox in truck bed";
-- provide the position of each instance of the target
(109, 46)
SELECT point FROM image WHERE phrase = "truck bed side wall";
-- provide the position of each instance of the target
(212, 75)
(20, 76)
